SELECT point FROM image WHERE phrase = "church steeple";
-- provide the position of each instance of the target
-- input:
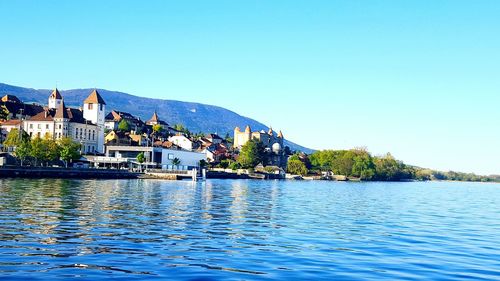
(55, 99)
(154, 119)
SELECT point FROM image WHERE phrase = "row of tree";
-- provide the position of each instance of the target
(427, 174)
(359, 163)
(41, 150)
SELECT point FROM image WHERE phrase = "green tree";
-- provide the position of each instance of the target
(69, 150)
(141, 158)
(423, 174)
(23, 151)
(228, 138)
(389, 169)
(363, 166)
(53, 151)
(38, 150)
(157, 128)
(4, 112)
(124, 126)
(182, 129)
(15, 138)
(252, 153)
(297, 167)
(234, 166)
(224, 164)
(179, 127)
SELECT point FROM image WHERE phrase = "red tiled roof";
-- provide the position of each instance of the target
(46, 115)
(95, 98)
(73, 114)
(11, 122)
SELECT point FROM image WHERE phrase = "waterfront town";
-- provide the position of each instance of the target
(111, 139)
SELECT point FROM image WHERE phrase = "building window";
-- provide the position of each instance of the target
(47, 126)
(39, 126)
(100, 106)
(91, 106)
(76, 133)
(60, 126)
(93, 134)
(170, 156)
(31, 126)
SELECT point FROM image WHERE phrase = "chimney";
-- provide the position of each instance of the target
(46, 113)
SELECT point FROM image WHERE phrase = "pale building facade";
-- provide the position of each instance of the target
(273, 143)
(181, 141)
(187, 159)
(71, 122)
(267, 138)
(94, 110)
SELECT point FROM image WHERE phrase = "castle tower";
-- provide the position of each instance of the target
(248, 134)
(55, 99)
(94, 111)
(280, 138)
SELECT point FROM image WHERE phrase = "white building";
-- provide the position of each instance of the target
(85, 127)
(187, 159)
(159, 157)
(181, 141)
(94, 110)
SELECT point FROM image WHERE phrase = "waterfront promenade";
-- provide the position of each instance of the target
(76, 173)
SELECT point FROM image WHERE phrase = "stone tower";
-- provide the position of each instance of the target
(55, 99)
(94, 109)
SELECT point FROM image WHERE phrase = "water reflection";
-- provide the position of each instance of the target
(247, 229)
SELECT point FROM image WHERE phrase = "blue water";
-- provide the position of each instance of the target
(244, 230)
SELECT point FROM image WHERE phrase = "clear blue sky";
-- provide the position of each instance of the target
(420, 79)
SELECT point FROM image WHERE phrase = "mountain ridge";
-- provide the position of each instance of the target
(197, 117)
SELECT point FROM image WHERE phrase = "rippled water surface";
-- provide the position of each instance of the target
(243, 229)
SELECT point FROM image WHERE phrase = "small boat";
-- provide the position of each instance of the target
(257, 176)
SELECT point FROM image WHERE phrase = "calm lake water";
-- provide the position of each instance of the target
(244, 229)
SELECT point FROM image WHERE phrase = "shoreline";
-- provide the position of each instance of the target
(65, 173)
(89, 173)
